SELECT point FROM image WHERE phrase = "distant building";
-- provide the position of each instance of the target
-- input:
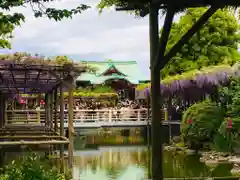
(123, 76)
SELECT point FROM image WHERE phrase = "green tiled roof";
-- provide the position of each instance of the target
(128, 68)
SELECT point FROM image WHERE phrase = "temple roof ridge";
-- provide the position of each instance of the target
(109, 61)
(128, 70)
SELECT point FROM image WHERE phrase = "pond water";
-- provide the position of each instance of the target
(117, 157)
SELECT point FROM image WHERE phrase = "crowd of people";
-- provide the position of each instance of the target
(124, 109)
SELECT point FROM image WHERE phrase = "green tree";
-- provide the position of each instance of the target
(216, 43)
(61, 60)
(8, 21)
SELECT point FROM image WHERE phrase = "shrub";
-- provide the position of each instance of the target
(206, 118)
(228, 139)
(31, 168)
(230, 97)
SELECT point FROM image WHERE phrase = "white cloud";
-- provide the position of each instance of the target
(115, 35)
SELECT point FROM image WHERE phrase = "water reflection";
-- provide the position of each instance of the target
(120, 163)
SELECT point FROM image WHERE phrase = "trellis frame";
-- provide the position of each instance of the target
(16, 79)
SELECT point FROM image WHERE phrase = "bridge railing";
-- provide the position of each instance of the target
(38, 116)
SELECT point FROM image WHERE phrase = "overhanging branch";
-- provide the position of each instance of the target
(186, 37)
(164, 36)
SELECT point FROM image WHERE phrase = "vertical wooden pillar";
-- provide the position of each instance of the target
(61, 126)
(51, 100)
(5, 116)
(70, 123)
(157, 173)
(55, 110)
(1, 110)
(46, 110)
(48, 119)
(157, 51)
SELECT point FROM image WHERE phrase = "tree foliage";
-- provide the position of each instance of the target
(27, 58)
(216, 43)
(8, 21)
(96, 92)
(107, 3)
(230, 97)
(32, 167)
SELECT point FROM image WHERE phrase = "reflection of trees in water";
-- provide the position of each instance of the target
(175, 164)
(222, 170)
(112, 159)
(94, 165)
(181, 165)
(110, 136)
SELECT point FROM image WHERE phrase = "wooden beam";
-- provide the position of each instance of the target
(186, 37)
(156, 101)
(48, 112)
(61, 127)
(63, 81)
(56, 109)
(18, 133)
(5, 143)
(31, 137)
(5, 119)
(157, 169)
(70, 123)
(164, 37)
(1, 110)
(14, 80)
(45, 108)
(51, 109)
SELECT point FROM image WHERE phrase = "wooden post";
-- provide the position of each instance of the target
(170, 130)
(5, 120)
(51, 109)
(52, 116)
(148, 136)
(61, 127)
(157, 169)
(48, 119)
(46, 110)
(70, 123)
(55, 110)
(1, 110)
(157, 51)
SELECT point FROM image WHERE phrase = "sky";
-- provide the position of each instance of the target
(87, 36)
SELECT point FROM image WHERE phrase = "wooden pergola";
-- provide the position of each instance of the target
(44, 79)
(159, 57)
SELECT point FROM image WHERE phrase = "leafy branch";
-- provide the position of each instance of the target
(9, 21)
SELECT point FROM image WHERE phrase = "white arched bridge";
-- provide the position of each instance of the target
(87, 118)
